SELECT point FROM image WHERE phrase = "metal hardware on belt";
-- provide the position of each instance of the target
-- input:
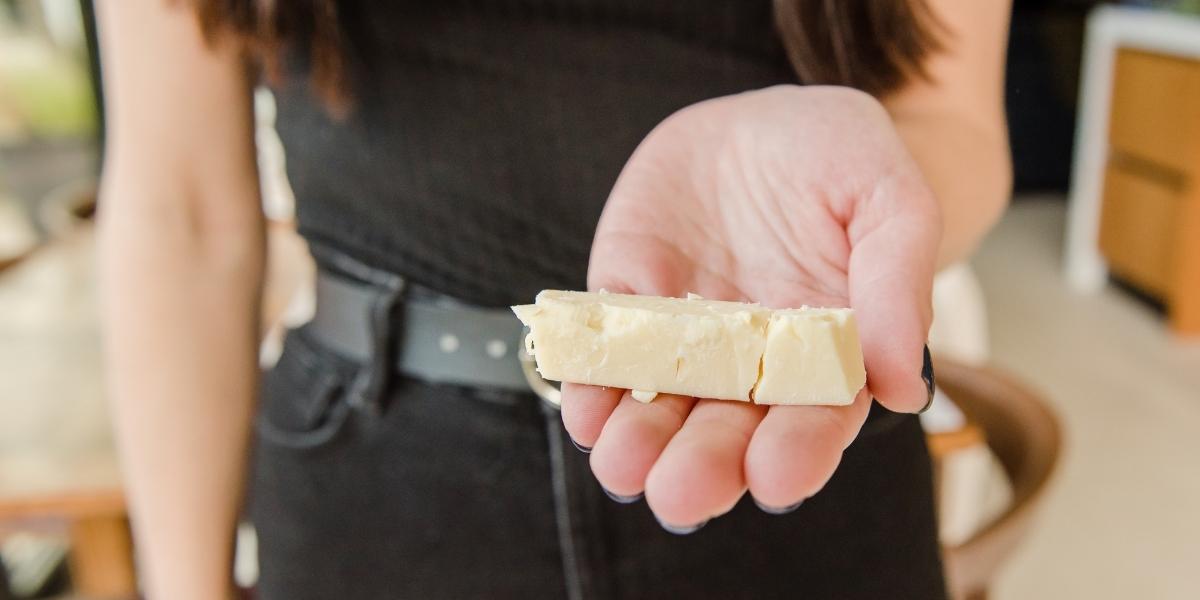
(442, 340)
(543, 388)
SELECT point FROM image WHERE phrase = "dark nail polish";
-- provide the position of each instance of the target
(927, 377)
(775, 510)
(579, 447)
(622, 499)
(682, 530)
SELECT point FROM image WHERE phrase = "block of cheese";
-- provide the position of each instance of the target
(812, 356)
(695, 347)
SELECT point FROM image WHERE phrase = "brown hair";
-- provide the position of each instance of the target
(872, 45)
(268, 27)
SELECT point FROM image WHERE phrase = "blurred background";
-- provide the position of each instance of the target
(1067, 434)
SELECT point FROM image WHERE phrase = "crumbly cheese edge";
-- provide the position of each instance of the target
(527, 312)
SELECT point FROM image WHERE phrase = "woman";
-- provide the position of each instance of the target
(452, 158)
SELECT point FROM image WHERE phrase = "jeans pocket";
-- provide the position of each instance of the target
(303, 404)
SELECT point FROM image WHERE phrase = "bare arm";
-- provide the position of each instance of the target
(181, 246)
(954, 124)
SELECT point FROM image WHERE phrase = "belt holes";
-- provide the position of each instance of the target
(448, 343)
(496, 349)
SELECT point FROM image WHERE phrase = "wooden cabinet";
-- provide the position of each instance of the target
(1137, 228)
(1150, 221)
(1156, 109)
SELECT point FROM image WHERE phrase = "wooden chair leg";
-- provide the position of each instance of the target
(101, 558)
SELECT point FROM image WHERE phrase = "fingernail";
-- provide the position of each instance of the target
(775, 510)
(622, 499)
(682, 530)
(927, 377)
(580, 447)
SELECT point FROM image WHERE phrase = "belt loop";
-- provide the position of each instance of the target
(371, 383)
(367, 390)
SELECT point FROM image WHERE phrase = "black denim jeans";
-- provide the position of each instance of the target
(446, 492)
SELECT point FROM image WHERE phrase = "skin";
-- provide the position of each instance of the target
(783, 196)
(181, 258)
(723, 201)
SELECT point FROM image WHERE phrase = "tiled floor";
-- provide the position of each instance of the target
(1123, 518)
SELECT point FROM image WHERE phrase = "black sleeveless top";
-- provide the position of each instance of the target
(485, 135)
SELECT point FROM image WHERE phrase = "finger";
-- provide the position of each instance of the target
(657, 271)
(892, 263)
(585, 408)
(699, 474)
(632, 439)
(796, 449)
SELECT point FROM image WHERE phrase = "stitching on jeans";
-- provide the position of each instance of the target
(562, 511)
(308, 439)
(319, 396)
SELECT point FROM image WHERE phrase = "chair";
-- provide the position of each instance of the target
(1025, 436)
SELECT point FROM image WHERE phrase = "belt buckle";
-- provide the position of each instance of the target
(542, 387)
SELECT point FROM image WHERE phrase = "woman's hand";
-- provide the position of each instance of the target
(785, 196)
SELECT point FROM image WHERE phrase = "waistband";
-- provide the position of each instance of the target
(437, 338)
(377, 318)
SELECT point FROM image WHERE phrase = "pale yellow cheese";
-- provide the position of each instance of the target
(812, 356)
(643, 396)
(695, 347)
(667, 345)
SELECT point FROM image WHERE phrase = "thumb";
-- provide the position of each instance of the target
(893, 259)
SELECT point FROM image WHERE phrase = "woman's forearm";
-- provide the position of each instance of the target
(181, 255)
(969, 169)
(952, 119)
(180, 299)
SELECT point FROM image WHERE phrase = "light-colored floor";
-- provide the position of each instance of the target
(1123, 517)
(54, 434)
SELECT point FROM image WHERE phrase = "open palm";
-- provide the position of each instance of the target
(786, 196)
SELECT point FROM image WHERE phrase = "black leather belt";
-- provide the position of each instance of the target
(441, 340)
